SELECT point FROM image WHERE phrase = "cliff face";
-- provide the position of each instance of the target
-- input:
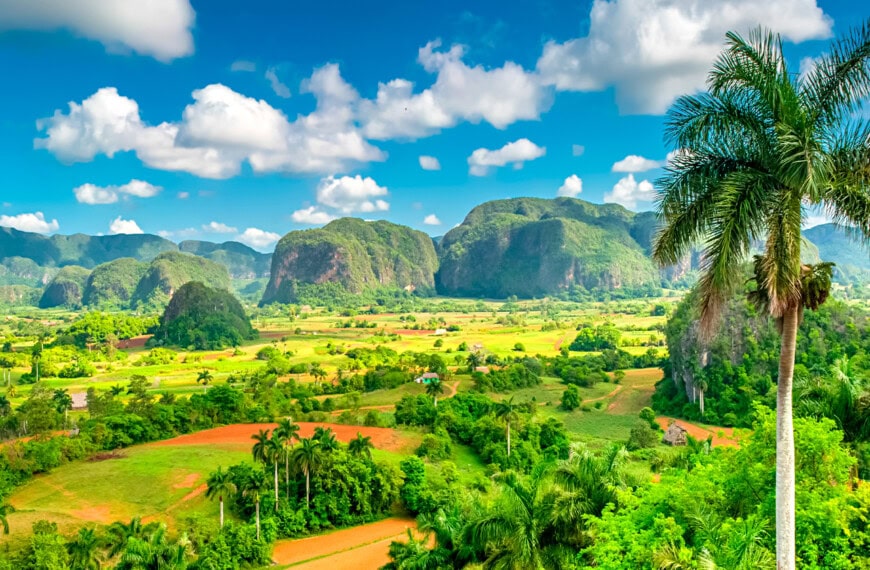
(357, 255)
(532, 247)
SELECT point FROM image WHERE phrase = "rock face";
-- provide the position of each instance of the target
(66, 289)
(357, 255)
(112, 284)
(532, 247)
(169, 271)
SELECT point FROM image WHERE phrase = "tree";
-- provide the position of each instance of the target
(259, 451)
(506, 410)
(306, 458)
(253, 488)
(274, 453)
(220, 483)
(204, 377)
(84, 550)
(5, 510)
(571, 398)
(434, 389)
(325, 438)
(118, 534)
(360, 446)
(153, 551)
(756, 149)
(285, 433)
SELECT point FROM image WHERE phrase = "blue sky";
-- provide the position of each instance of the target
(225, 120)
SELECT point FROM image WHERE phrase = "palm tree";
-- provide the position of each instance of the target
(325, 437)
(118, 534)
(274, 452)
(259, 451)
(306, 458)
(220, 483)
(506, 410)
(753, 152)
(253, 488)
(204, 377)
(285, 433)
(154, 551)
(434, 389)
(5, 510)
(84, 550)
(360, 446)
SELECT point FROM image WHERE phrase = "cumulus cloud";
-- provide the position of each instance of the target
(651, 51)
(158, 28)
(257, 238)
(432, 220)
(352, 194)
(34, 222)
(635, 163)
(577, 149)
(243, 65)
(429, 163)
(311, 215)
(499, 96)
(218, 131)
(121, 226)
(572, 186)
(628, 192)
(280, 89)
(517, 153)
(92, 194)
(218, 228)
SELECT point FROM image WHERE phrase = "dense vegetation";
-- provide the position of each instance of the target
(355, 254)
(66, 289)
(201, 317)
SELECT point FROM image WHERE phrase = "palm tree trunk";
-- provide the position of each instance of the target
(509, 437)
(702, 401)
(222, 512)
(785, 503)
(287, 473)
(307, 486)
(435, 405)
(276, 484)
(258, 519)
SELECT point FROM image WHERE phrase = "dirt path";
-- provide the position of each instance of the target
(452, 390)
(561, 341)
(240, 435)
(363, 547)
(604, 397)
(701, 433)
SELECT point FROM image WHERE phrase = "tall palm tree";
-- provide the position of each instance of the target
(435, 388)
(253, 487)
(154, 551)
(274, 453)
(204, 377)
(360, 446)
(753, 152)
(286, 433)
(118, 533)
(506, 410)
(306, 458)
(84, 551)
(325, 437)
(259, 450)
(220, 484)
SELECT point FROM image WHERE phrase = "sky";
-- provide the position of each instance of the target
(221, 120)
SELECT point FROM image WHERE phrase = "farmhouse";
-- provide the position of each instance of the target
(79, 400)
(426, 378)
(675, 435)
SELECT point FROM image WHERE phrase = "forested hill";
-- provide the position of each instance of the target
(531, 247)
(89, 251)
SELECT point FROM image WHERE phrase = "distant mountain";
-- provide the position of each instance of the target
(240, 260)
(852, 257)
(112, 284)
(172, 269)
(66, 289)
(532, 247)
(355, 254)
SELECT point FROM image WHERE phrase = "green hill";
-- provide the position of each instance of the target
(356, 254)
(240, 260)
(169, 271)
(852, 258)
(66, 289)
(531, 247)
(112, 284)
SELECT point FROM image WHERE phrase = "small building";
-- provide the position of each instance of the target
(440, 332)
(79, 400)
(427, 378)
(675, 435)
(482, 369)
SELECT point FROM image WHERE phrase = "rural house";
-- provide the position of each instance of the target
(675, 435)
(426, 378)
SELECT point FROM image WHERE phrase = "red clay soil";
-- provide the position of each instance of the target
(240, 435)
(363, 547)
(135, 342)
(701, 433)
(558, 345)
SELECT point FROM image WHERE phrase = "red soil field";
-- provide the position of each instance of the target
(701, 433)
(240, 435)
(135, 342)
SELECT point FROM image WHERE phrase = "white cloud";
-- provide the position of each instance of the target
(218, 228)
(158, 28)
(34, 222)
(183, 195)
(311, 215)
(572, 186)
(577, 149)
(122, 226)
(516, 153)
(635, 163)
(432, 220)
(257, 238)
(429, 163)
(243, 65)
(628, 192)
(352, 194)
(219, 130)
(499, 96)
(92, 194)
(652, 51)
(278, 87)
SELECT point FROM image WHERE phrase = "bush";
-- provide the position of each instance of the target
(571, 398)
(435, 447)
(642, 436)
